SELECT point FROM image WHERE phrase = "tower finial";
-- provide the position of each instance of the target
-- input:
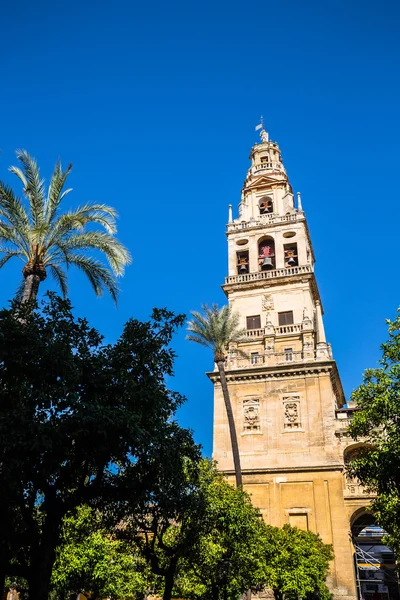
(263, 133)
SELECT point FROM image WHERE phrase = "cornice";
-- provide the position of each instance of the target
(263, 372)
(300, 469)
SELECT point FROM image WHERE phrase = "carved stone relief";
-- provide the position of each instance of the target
(268, 302)
(291, 413)
(251, 414)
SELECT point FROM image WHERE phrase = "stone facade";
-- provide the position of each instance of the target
(286, 394)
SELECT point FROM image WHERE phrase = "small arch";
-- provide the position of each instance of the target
(362, 517)
(266, 253)
(352, 450)
(266, 205)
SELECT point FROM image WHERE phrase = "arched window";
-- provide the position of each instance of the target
(266, 205)
(266, 254)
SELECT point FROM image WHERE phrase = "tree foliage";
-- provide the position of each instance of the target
(227, 555)
(79, 421)
(216, 328)
(376, 423)
(91, 559)
(50, 241)
(297, 563)
(219, 328)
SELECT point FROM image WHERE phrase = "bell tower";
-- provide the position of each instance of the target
(286, 394)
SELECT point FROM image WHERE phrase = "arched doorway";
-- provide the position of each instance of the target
(375, 563)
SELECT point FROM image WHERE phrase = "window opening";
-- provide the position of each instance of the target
(253, 322)
(254, 358)
(286, 318)
(291, 256)
(243, 262)
(266, 205)
(288, 354)
(266, 255)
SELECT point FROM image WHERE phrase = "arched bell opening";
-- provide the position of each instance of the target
(266, 205)
(291, 256)
(242, 262)
(266, 254)
(375, 563)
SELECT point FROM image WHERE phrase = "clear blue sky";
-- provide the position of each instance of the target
(155, 105)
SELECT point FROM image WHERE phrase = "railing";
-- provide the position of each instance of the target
(273, 274)
(288, 329)
(267, 166)
(255, 332)
(268, 359)
(265, 220)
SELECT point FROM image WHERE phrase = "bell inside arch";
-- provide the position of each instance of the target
(267, 263)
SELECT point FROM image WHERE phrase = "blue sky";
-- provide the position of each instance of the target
(155, 105)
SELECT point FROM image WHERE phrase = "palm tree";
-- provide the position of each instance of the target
(218, 328)
(46, 240)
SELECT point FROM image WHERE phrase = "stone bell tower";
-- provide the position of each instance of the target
(286, 394)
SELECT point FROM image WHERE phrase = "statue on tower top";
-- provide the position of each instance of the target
(263, 133)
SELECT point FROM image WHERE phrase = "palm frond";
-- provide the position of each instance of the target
(12, 209)
(9, 235)
(98, 275)
(7, 255)
(60, 277)
(20, 174)
(198, 339)
(217, 328)
(55, 194)
(115, 252)
(33, 187)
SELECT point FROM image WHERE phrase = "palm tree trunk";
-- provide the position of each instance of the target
(31, 288)
(231, 422)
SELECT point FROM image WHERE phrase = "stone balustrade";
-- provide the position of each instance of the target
(255, 332)
(267, 166)
(273, 274)
(268, 359)
(289, 329)
(266, 219)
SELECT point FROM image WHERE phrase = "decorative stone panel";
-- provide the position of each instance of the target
(251, 415)
(291, 413)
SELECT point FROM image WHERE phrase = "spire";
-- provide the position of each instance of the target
(299, 205)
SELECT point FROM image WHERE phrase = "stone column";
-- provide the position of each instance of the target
(322, 346)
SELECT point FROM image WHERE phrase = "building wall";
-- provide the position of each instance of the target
(287, 405)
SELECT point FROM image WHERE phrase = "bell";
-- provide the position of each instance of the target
(243, 268)
(267, 263)
(291, 261)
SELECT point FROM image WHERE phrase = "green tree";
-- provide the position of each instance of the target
(91, 559)
(165, 524)
(218, 328)
(78, 423)
(377, 424)
(48, 241)
(297, 563)
(227, 553)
